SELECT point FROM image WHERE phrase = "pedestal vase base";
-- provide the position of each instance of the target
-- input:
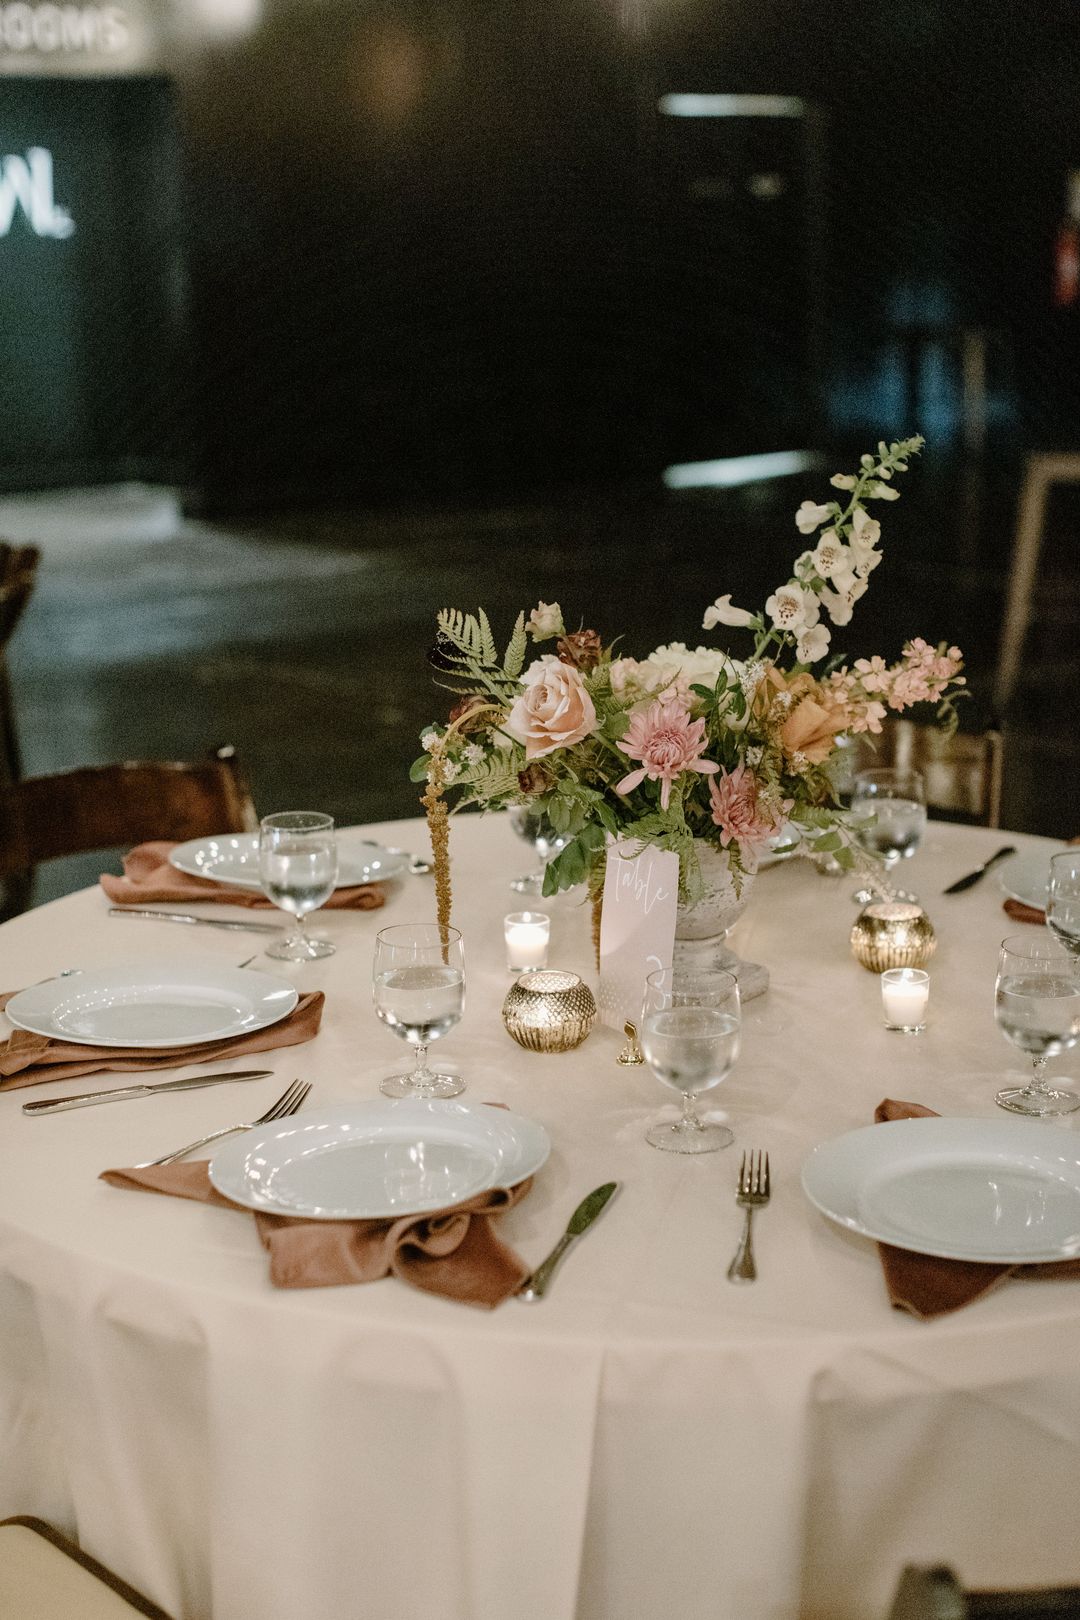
(706, 955)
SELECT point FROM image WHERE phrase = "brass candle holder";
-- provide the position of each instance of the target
(892, 934)
(549, 1011)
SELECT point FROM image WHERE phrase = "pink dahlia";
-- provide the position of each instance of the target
(667, 742)
(737, 812)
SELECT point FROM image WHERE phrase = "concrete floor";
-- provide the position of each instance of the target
(301, 639)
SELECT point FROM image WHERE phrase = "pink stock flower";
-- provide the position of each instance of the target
(667, 742)
(738, 813)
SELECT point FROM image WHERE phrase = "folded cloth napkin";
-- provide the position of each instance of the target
(928, 1286)
(149, 880)
(26, 1058)
(1019, 912)
(452, 1252)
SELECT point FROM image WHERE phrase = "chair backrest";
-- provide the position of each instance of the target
(18, 570)
(934, 1593)
(962, 773)
(107, 806)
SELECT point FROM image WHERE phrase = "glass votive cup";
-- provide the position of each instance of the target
(904, 995)
(526, 934)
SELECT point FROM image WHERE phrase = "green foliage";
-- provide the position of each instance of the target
(514, 657)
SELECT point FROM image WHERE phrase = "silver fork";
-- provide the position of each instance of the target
(288, 1103)
(753, 1193)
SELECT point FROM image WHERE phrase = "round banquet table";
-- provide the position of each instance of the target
(650, 1439)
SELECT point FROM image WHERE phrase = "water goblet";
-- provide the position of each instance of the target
(892, 804)
(418, 986)
(297, 871)
(535, 828)
(690, 1037)
(1037, 1006)
(1063, 901)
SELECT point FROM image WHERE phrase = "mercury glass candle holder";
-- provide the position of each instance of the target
(549, 1010)
(892, 934)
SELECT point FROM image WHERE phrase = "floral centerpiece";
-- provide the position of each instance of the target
(685, 748)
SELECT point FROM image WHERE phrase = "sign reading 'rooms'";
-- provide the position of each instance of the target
(57, 30)
(26, 188)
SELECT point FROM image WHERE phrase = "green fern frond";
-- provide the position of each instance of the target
(515, 652)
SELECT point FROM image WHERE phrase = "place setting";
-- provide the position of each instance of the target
(297, 861)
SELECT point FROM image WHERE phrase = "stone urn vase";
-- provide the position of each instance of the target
(701, 928)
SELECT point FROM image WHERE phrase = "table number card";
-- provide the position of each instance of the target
(637, 930)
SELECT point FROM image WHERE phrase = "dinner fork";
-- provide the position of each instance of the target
(289, 1102)
(753, 1193)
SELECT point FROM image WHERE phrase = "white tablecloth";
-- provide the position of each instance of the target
(650, 1440)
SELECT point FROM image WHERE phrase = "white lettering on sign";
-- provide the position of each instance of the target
(52, 29)
(26, 183)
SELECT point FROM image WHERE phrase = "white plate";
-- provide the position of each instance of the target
(353, 1161)
(234, 858)
(1000, 1190)
(1025, 877)
(156, 1003)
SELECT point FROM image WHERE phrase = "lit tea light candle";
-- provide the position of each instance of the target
(904, 995)
(526, 934)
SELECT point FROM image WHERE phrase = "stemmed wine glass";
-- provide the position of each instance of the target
(690, 1036)
(1037, 1005)
(536, 829)
(297, 871)
(418, 986)
(1063, 901)
(892, 803)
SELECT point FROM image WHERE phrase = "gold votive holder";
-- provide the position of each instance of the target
(549, 1010)
(892, 934)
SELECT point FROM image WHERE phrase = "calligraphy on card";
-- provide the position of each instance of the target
(637, 930)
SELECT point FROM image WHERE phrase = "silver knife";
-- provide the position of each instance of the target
(53, 1105)
(973, 877)
(186, 917)
(535, 1287)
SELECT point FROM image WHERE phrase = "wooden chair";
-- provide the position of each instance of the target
(110, 806)
(1044, 470)
(962, 773)
(935, 1593)
(18, 571)
(43, 1576)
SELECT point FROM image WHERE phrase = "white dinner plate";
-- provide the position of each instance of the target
(1025, 877)
(155, 1003)
(352, 1161)
(999, 1190)
(234, 858)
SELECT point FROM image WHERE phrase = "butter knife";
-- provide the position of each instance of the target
(973, 877)
(535, 1287)
(53, 1105)
(186, 917)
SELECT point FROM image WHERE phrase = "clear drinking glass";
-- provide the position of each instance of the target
(1037, 1005)
(297, 871)
(418, 986)
(535, 828)
(1063, 901)
(690, 1037)
(892, 804)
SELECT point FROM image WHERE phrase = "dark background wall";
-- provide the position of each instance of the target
(423, 249)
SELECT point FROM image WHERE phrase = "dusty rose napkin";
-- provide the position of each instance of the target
(25, 1059)
(928, 1286)
(453, 1252)
(1019, 912)
(149, 880)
